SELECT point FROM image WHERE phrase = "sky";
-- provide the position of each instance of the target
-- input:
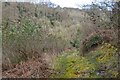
(71, 3)
(62, 3)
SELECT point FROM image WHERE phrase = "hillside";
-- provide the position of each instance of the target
(43, 41)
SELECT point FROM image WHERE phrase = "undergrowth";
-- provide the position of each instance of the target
(101, 63)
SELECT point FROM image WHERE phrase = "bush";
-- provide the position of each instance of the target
(106, 58)
(96, 38)
(76, 41)
(20, 42)
(71, 65)
(16, 41)
(90, 42)
(101, 63)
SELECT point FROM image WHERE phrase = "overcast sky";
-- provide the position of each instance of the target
(71, 3)
(62, 3)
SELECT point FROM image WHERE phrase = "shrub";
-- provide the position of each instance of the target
(15, 39)
(76, 41)
(108, 51)
(90, 42)
(20, 42)
(101, 63)
(71, 65)
(106, 58)
(96, 38)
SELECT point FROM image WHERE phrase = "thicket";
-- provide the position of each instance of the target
(31, 35)
(63, 33)
(100, 63)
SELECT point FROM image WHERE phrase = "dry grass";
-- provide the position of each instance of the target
(37, 67)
